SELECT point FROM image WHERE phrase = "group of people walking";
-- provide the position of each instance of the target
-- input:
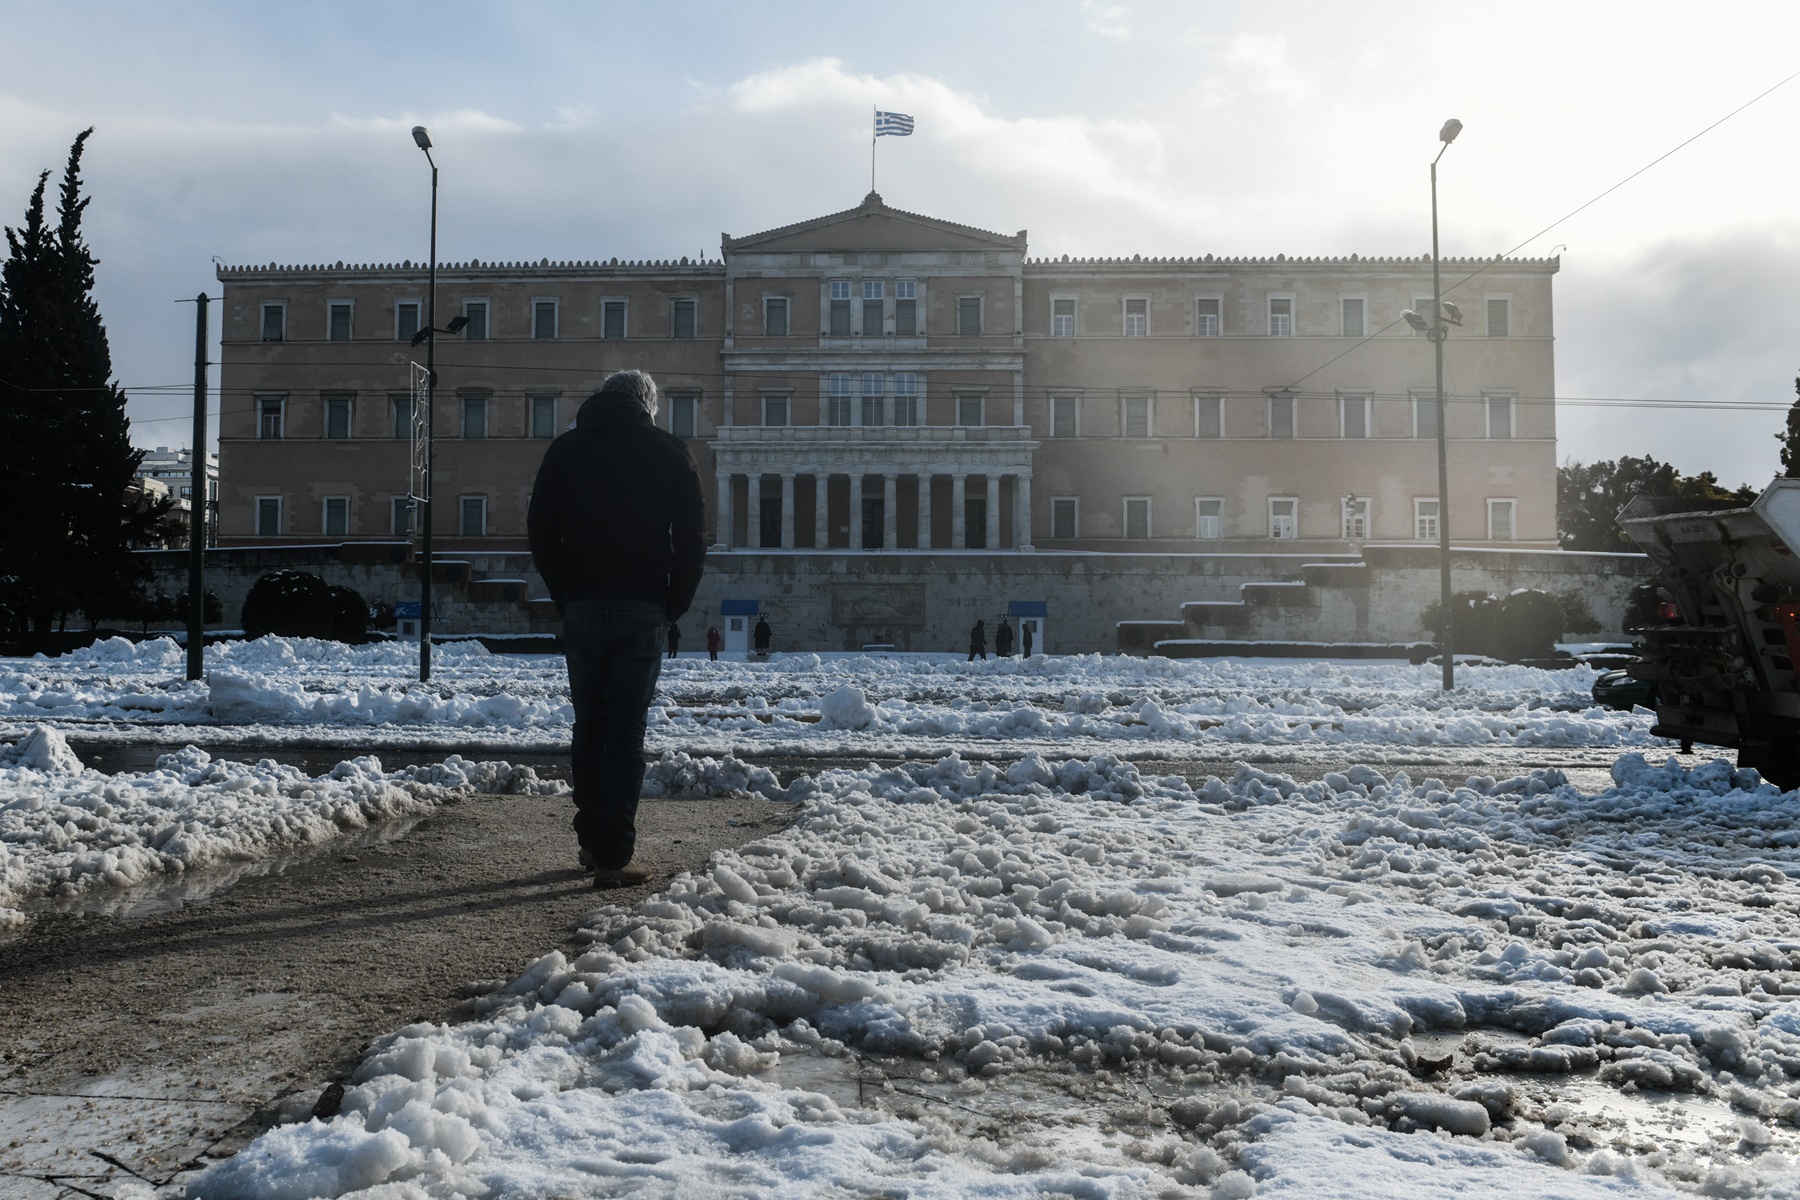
(1003, 640)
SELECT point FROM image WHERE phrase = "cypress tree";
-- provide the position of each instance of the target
(66, 460)
(1790, 438)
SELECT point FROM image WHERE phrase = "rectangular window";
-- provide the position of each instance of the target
(269, 417)
(337, 320)
(336, 521)
(473, 513)
(474, 416)
(1209, 518)
(1355, 518)
(1137, 416)
(274, 322)
(1137, 318)
(403, 416)
(1499, 317)
(1206, 316)
(543, 320)
(1281, 316)
(1353, 416)
(840, 308)
(1064, 417)
(1137, 516)
(968, 316)
(400, 511)
(906, 398)
(683, 319)
(775, 316)
(477, 328)
(1499, 416)
(968, 411)
(337, 417)
(268, 516)
(1425, 518)
(1062, 318)
(838, 408)
(684, 416)
(612, 318)
(1209, 416)
(1500, 521)
(872, 398)
(543, 416)
(1425, 417)
(1281, 416)
(874, 292)
(906, 308)
(1062, 517)
(775, 411)
(406, 320)
(1283, 517)
(1352, 316)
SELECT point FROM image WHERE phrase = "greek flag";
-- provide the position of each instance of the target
(889, 124)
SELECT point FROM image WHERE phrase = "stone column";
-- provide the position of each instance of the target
(1022, 512)
(724, 542)
(821, 510)
(753, 527)
(787, 510)
(925, 510)
(959, 483)
(856, 526)
(890, 518)
(993, 511)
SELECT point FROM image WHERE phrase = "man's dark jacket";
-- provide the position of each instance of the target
(617, 512)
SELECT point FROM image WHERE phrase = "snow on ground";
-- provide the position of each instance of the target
(1066, 977)
(285, 691)
(65, 829)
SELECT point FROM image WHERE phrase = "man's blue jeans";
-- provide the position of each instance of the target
(614, 652)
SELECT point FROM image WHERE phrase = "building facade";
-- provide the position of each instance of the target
(876, 381)
(173, 470)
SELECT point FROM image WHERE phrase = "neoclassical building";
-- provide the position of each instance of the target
(884, 382)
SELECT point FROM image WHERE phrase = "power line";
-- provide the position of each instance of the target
(1566, 216)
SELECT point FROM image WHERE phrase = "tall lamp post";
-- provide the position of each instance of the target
(423, 140)
(1437, 331)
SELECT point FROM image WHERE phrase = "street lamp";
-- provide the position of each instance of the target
(423, 141)
(1436, 329)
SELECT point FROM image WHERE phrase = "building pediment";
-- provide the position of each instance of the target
(874, 227)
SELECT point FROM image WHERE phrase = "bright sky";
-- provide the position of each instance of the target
(263, 133)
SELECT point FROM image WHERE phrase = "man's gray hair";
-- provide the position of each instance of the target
(636, 384)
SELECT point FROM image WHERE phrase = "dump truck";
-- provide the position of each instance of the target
(1721, 632)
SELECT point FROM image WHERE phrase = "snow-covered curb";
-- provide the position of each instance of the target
(65, 829)
(1271, 948)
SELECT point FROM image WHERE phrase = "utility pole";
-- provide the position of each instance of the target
(197, 497)
(423, 141)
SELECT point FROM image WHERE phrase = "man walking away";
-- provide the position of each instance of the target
(712, 642)
(674, 638)
(978, 641)
(1003, 640)
(616, 528)
(763, 636)
(1025, 636)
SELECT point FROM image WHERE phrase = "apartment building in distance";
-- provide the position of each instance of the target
(880, 382)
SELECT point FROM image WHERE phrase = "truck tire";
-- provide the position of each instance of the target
(1777, 762)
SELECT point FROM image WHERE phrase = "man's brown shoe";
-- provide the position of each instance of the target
(629, 875)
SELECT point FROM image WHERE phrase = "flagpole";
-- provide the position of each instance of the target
(872, 112)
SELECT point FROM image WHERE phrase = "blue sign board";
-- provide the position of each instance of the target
(737, 608)
(1027, 608)
(408, 610)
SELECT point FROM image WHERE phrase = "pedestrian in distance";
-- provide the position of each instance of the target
(763, 636)
(617, 530)
(1003, 640)
(1025, 637)
(674, 639)
(712, 642)
(978, 641)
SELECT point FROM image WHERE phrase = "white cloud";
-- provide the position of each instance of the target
(1106, 20)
